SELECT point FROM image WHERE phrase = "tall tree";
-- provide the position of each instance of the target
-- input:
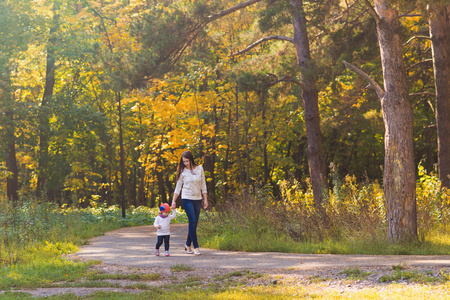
(44, 108)
(15, 21)
(309, 95)
(6, 98)
(439, 22)
(399, 169)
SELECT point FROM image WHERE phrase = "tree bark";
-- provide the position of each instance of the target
(12, 182)
(140, 200)
(440, 43)
(225, 185)
(399, 170)
(310, 97)
(44, 114)
(160, 175)
(237, 144)
(123, 174)
(8, 134)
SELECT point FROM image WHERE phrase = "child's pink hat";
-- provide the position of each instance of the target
(164, 208)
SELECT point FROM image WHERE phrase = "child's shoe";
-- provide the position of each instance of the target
(156, 252)
(166, 253)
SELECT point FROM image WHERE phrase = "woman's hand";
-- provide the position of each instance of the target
(174, 201)
(205, 204)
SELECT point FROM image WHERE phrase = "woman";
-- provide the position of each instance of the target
(192, 184)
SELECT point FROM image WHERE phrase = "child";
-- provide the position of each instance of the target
(162, 224)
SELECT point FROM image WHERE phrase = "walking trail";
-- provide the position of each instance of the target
(134, 247)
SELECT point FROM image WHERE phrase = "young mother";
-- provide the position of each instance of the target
(192, 184)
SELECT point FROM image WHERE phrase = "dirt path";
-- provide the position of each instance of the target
(130, 250)
(134, 247)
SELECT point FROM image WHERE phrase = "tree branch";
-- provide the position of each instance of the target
(410, 15)
(416, 37)
(231, 10)
(372, 11)
(423, 93)
(419, 63)
(265, 39)
(372, 83)
(286, 79)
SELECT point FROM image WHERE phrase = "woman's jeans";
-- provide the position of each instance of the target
(192, 209)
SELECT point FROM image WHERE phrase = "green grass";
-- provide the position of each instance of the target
(181, 268)
(143, 276)
(355, 273)
(42, 265)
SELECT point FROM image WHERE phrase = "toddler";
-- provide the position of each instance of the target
(162, 224)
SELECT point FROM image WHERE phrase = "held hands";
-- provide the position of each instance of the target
(174, 204)
(159, 227)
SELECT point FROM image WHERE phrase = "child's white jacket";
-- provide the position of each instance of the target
(165, 223)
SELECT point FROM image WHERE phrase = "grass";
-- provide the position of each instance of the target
(181, 268)
(355, 273)
(143, 276)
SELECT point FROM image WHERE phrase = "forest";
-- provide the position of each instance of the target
(99, 98)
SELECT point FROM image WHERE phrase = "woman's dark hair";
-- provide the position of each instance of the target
(186, 154)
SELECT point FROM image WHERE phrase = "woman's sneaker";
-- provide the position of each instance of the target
(156, 252)
(166, 253)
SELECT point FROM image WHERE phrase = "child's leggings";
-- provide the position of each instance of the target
(161, 239)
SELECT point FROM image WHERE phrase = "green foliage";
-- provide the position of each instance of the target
(276, 14)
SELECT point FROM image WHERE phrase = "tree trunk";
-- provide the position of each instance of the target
(440, 43)
(141, 189)
(44, 113)
(225, 185)
(263, 97)
(123, 174)
(399, 170)
(247, 125)
(238, 152)
(8, 134)
(209, 163)
(161, 185)
(12, 182)
(310, 97)
(210, 148)
(140, 200)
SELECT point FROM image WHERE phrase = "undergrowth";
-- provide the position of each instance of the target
(356, 224)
